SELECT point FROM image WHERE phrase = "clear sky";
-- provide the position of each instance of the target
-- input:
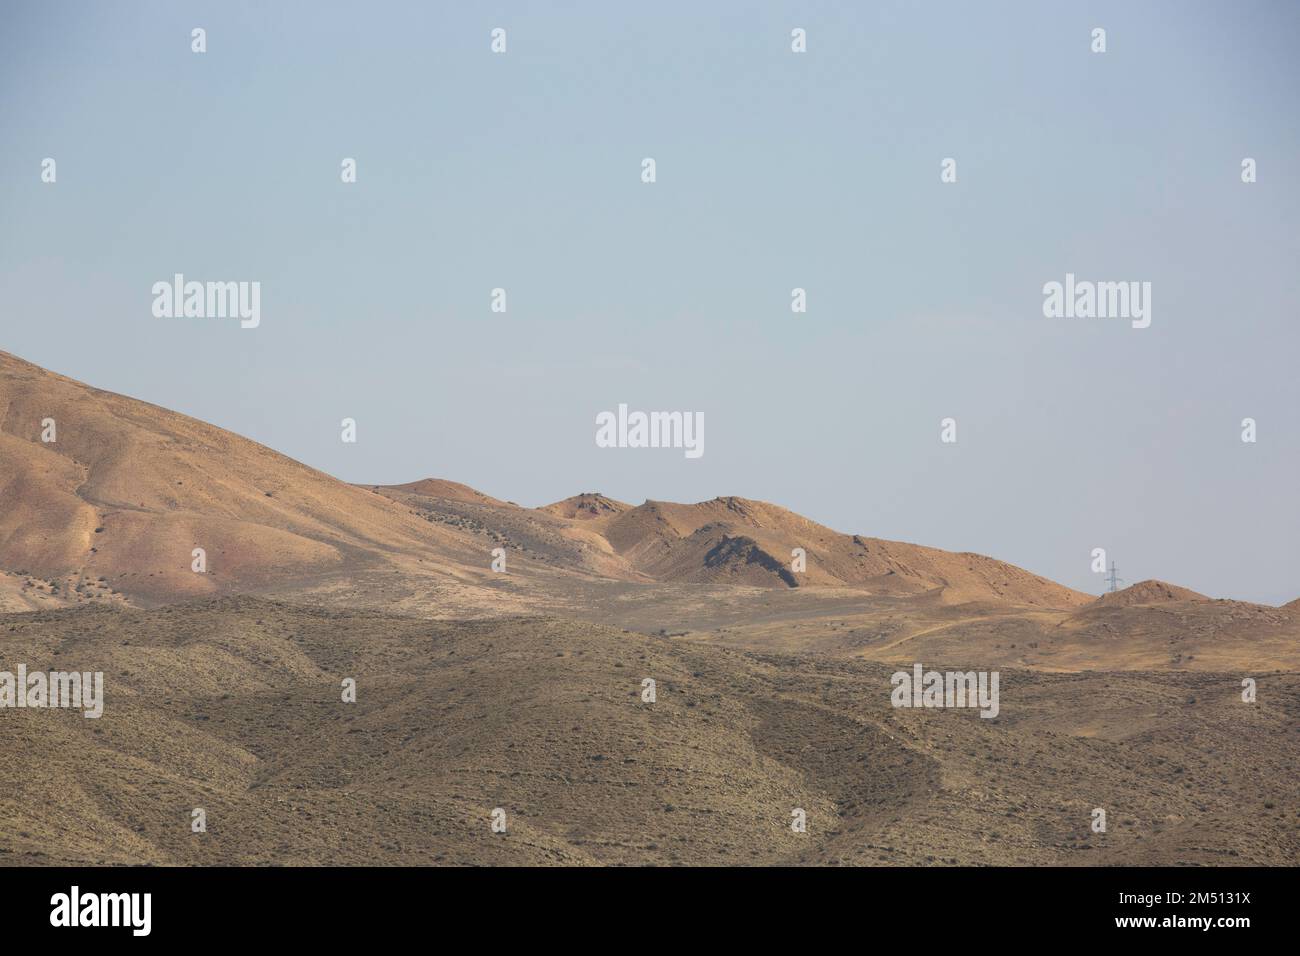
(775, 170)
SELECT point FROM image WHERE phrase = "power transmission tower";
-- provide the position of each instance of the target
(1112, 580)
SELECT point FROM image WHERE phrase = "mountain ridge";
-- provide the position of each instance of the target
(118, 502)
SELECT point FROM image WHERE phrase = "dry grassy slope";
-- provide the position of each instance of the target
(30, 592)
(1196, 633)
(731, 541)
(128, 490)
(588, 506)
(751, 542)
(1179, 637)
(1148, 592)
(843, 622)
(532, 535)
(234, 705)
(1226, 636)
(442, 488)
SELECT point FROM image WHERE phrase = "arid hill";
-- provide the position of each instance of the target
(118, 500)
(733, 541)
(752, 542)
(111, 510)
(1149, 592)
(587, 506)
(126, 491)
(845, 623)
(523, 690)
(235, 706)
(454, 490)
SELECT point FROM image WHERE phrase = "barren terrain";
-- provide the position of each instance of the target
(522, 690)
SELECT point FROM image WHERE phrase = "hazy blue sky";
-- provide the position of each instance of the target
(775, 170)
